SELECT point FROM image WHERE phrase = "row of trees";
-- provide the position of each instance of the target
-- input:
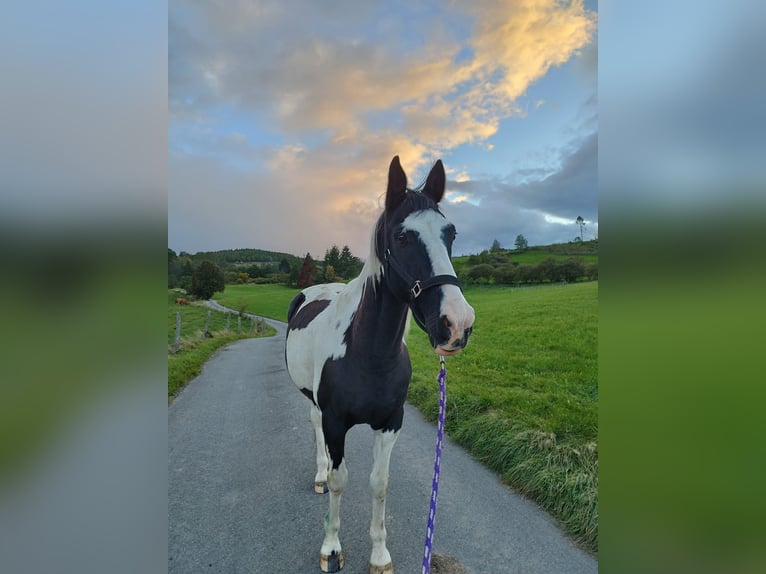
(202, 278)
(337, 265)
(549, 270)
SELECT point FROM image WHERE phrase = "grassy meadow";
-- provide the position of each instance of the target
(270, 300)
(195, 349)
(522, 397)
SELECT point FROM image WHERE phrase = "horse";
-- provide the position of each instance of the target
(181, 301)
(345, 346)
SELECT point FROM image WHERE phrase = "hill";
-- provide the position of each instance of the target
(239, 257)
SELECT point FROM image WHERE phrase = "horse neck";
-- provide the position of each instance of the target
(379, 323)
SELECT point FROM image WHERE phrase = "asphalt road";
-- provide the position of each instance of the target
(240, 485)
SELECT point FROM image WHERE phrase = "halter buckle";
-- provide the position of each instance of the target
(416, 289)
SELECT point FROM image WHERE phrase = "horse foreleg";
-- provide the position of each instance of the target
(331, 556)
(323, 463)
(380, 559)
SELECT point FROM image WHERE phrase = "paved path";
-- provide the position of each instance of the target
(240, 485)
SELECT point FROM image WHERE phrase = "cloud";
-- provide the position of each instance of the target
(331, 96)
(265, 58)
(536, 209)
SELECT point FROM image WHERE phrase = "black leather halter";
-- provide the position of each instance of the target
(416, 285)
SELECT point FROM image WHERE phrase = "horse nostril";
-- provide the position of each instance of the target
(447, 323)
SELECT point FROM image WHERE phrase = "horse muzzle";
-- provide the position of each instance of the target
(454, 344)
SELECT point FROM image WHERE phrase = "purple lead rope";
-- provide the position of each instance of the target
(442, 379)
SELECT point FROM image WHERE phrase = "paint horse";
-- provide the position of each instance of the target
(345, 349)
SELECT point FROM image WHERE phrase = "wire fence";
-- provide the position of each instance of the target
(245, 324)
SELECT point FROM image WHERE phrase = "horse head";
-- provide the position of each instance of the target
(414, 243)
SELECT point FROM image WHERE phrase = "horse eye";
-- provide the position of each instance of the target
(401, 238)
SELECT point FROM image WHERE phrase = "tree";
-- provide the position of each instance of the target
(348, 265)
(306, 274)
(174, 269)
(206, 279)
(521, 242)
(332, 256)
(581, 222)
(185, 276)
(329, 273)
(495, 247)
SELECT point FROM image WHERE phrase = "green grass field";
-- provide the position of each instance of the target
(196, 349)
(522, 397)
(266, 300)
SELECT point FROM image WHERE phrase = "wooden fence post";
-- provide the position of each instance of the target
(239, 324)
(177, 341)
(207, 324)
(228, 321)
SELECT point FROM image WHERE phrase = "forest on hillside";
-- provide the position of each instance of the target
(238, 266)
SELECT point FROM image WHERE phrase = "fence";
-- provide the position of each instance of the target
(257, 327)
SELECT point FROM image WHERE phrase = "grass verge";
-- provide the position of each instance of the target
(196, 348)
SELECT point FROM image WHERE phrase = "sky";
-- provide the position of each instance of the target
(284, 116)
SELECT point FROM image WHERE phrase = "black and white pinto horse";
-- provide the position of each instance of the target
(345, 349)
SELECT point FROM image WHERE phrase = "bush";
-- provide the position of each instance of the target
(484, 270)
(571, 269)
(207, 278)
(505, 273)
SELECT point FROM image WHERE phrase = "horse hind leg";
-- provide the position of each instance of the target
(322, 460)
(380, 559)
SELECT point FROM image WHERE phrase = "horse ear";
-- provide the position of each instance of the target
(435, 182)
(397, 185)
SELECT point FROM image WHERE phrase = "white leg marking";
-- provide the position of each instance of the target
(338, 479)
(323, 461)
(381, 455)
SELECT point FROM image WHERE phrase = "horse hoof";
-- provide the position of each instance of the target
(332, 563)
(387, 569)
(320, 487)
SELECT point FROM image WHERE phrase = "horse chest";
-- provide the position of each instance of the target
(360, 394)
